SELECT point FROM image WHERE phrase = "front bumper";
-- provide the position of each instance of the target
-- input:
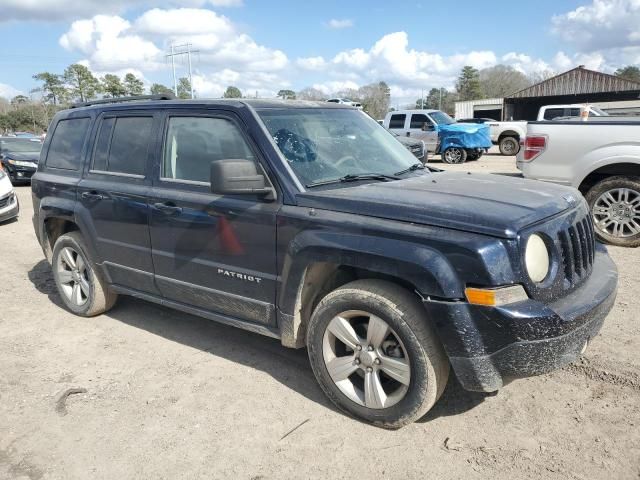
(10, 207)
(488, 346)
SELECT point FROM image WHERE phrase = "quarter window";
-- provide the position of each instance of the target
(65, 149)
(551, 113)
(192, 143)
(123, 145)
(397, 121)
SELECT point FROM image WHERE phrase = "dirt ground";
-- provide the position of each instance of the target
(170, 395)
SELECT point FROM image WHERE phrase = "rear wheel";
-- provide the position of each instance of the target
(509, 146)
(80, 284)
(375, 354)
(454, 155)
(615, 209)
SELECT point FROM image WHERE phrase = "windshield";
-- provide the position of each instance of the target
(441, 118)
(323, 144)
(20, 146)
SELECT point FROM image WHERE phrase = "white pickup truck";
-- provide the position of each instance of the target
(507, 135)
(601, 158)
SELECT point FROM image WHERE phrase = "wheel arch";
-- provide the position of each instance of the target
(509, 133)
(622, 168)
(313, 271)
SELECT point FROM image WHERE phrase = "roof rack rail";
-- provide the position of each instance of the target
(164, 96)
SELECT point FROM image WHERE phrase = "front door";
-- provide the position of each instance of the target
(113, 196)
(212, 252)
(421, 127)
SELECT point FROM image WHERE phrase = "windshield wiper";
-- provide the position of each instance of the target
(412, 168)
(353, 178)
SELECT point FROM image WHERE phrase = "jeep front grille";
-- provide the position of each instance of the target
(578, 250)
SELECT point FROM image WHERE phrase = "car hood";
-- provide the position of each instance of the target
(494, 205)
(24, 156)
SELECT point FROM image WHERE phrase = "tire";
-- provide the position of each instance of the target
(509, 146)
(80, 284)
(454, 155)
(472, 157)
(616, 217)
(410, 343)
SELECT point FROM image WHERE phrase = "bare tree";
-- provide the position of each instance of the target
(311, 93)
(501, 80)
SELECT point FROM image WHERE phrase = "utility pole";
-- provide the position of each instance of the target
(175, 52)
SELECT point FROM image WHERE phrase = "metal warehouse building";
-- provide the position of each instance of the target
(616, 95)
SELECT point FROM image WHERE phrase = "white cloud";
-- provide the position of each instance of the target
(8, 92)
(109, 44)
(337, 24)
(112, 43)
(601, 25)
(312, 63)
(55, 10)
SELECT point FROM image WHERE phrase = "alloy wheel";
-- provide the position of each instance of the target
(453, 155)
(617, 213)
(366, 359)
(73, 276)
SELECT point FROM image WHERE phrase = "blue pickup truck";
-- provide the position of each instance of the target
(456, 142)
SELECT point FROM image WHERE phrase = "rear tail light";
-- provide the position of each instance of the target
(534, 146)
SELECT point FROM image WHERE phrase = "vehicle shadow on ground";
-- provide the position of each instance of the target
(288, 366)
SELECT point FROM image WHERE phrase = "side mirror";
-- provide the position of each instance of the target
(237, 177)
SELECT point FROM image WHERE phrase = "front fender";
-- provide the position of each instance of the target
(425, 268)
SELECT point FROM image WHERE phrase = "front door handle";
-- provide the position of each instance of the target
(168, 208)
(408, 134)
(91, 196)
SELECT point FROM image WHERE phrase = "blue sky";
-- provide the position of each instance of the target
(330, 45)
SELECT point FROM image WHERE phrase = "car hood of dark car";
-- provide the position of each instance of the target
(494, 205)
(24, 156)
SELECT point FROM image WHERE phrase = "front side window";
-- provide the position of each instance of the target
(192, 143)
(325, 144)
(418, 120)
(66, 145)
(122, 145)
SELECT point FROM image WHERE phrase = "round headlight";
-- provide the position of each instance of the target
(536, 258)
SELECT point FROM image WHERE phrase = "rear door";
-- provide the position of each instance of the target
(397, 123)
(212, 252)
(422, 127)
(113, 196)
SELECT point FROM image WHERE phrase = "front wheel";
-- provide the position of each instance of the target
(615, 209)
(454, 155)
(374, 353)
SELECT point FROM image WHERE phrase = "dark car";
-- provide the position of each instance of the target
(416, 147)
(19, 157)
(309, 223)
(475, 120)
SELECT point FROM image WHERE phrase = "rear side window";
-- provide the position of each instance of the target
(397, 120)
(65, 149)
(551, 113)
(122, 145)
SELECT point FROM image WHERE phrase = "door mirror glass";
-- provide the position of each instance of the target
(237, 177)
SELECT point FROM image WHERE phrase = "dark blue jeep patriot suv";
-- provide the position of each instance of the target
(309, 222)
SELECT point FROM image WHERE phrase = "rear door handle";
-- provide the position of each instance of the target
(168, 208)
(91, 196)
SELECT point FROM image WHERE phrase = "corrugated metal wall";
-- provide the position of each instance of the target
(466, 109)
(575, 82)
